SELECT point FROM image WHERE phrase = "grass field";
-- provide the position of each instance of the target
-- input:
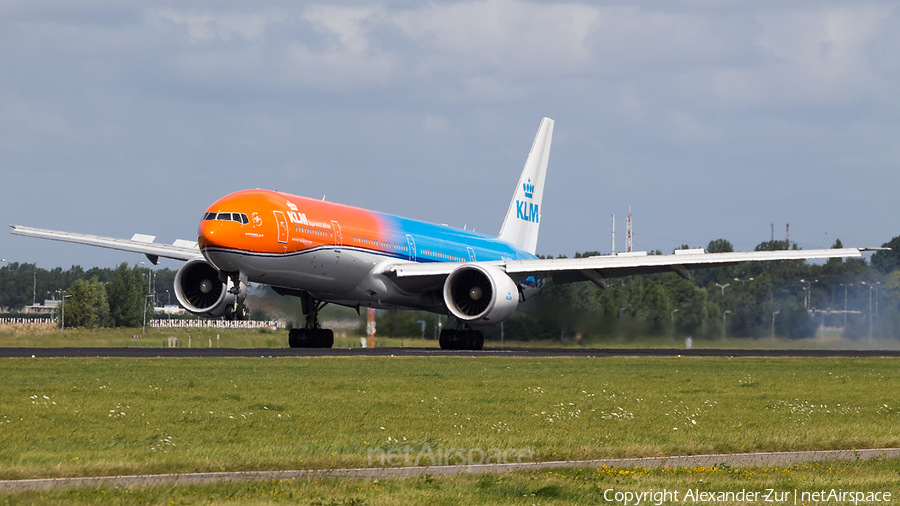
(50, 336)
(84, 417)
(558, 487)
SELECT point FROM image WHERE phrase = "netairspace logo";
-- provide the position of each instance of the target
(769, 495)
(406, 456)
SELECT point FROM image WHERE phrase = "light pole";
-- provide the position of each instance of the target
(63, 302)
(146, 302)
(743, 280)
(147, 299)
(672, 319)
(871, 287)
(723, 287)
(724, 314)
(845, 302)
(773, 323)
(807, 289)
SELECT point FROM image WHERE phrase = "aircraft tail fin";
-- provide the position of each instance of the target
(520, 227)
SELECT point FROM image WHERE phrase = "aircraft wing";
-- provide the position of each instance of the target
(598, 268)
(181, 250)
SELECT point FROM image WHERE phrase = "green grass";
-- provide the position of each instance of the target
(557, 487)
(88, 417)
(50, 336)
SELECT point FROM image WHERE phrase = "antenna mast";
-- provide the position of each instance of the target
(613, 235)
(628, 232)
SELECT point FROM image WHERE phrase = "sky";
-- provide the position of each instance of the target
(709, 119)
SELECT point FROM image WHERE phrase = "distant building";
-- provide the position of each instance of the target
(172, 309)
(49, 307)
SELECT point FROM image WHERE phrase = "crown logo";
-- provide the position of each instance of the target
(529, 188)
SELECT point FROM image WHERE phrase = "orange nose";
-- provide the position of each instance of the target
(210, 233)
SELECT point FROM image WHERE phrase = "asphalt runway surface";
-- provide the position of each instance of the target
(425, 352)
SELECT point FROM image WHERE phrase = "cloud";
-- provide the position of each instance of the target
(652, 100)
(206, 26)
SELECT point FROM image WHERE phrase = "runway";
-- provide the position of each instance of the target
(425, 352)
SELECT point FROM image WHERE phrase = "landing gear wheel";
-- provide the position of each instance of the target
(311, 338)
(236, 314)
(461, 339)
(447, 338)
(324, 338)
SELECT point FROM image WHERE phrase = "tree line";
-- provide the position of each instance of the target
(787, 298)
(790, 299)
(97, 297)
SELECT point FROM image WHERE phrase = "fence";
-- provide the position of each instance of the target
(214, 324)
(34, 321)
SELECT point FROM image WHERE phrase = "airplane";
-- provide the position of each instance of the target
(324, 252)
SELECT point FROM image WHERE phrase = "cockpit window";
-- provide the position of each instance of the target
(238, 217)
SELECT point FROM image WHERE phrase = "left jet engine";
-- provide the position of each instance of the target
(480, 294)
(199, 290)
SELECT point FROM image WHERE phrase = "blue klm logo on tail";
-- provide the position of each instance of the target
(527, 211)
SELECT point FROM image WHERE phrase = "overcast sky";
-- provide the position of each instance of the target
(711, 119)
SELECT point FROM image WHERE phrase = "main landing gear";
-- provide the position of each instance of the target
(463, 338)
(311, 336)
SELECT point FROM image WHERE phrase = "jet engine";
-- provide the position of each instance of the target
(480, 294)
(199, 290)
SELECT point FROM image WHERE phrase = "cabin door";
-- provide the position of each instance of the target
(336, 229)
(412, 247)
(282, 227)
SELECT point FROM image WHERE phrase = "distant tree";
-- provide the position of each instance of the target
(888, 261)
(774, 246)
(126, 296)
(87, 307)
(719, 246)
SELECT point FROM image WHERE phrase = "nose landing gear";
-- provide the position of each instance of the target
(237, 310)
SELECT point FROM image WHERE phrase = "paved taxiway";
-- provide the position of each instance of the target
(426, 352)
(184, 479)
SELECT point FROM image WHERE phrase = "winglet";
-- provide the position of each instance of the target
(520, 227)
